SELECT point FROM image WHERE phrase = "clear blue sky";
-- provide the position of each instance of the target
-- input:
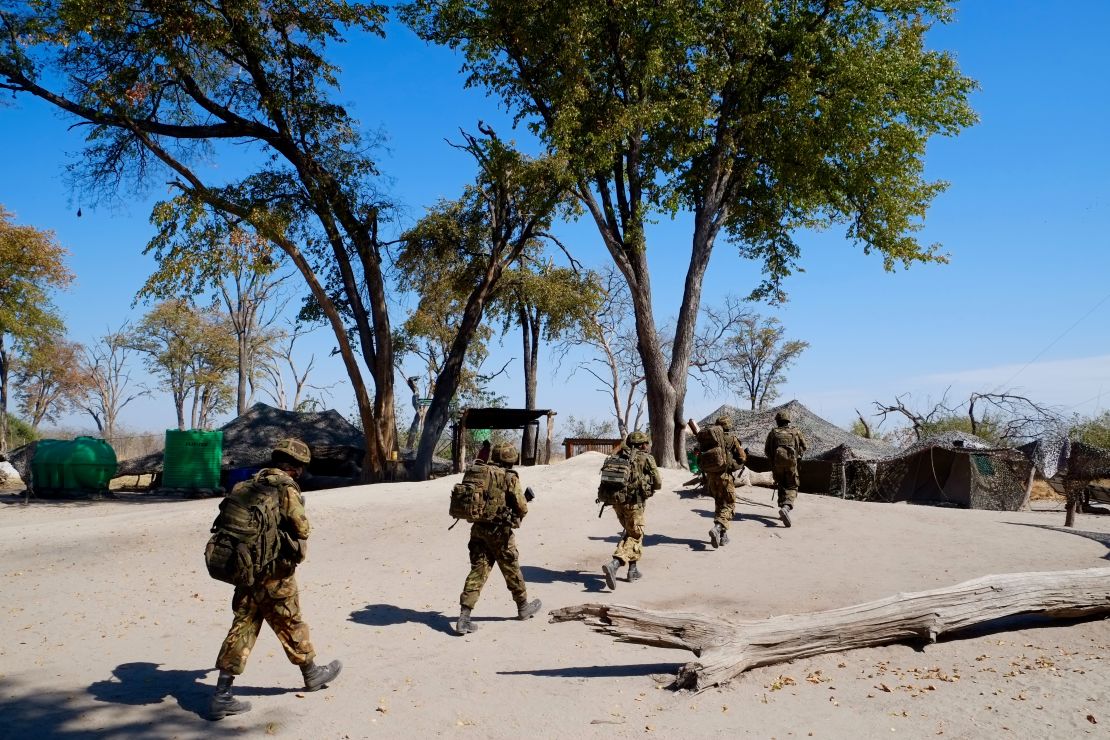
(1023, 305)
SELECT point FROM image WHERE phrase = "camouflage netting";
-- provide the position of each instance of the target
(828, 447)
(336, 444)
(951, 469)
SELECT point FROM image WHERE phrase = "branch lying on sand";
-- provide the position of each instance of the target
(726, 649)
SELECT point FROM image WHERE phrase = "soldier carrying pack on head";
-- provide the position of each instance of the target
(720, 454)
(490, 497)
(628, 479)
(784, 448)
(258, 539)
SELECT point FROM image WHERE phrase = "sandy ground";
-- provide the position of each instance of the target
(111, 624)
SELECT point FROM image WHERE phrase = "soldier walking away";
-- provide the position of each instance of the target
(272, 594)
(491, 536)
(784, 448)
(720, 455)
(628, 479)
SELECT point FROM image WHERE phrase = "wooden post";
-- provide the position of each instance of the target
(550, 435)
(725, 649)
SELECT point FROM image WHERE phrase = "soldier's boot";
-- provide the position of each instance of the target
(784, 514)
(610, 570)
(317, 677)
(715, 535)
(724, 537)
(528, 609)
(223, 703)
(634, 573)
(464, 624)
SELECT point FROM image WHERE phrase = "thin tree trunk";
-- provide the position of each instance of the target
(4, 368)
(530, 334)
(726, 649)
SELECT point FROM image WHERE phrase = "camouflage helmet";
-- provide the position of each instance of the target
(782, 417)
(504, 453)
(723, 421)
(637, 438)
(295, 449)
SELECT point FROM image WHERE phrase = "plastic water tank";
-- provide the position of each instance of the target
(192, 458)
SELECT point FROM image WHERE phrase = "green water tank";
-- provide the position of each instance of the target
(81, 464)
(192, 459)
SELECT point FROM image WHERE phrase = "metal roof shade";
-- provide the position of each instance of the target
(498, 418)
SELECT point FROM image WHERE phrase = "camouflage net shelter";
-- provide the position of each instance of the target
(951, 469)
(336, 444)
(829, 448)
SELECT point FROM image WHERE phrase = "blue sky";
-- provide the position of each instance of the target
(1023, 305)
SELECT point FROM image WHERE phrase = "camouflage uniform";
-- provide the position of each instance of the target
(630, 513)
(274, 599)
(493, 542)
(722, 486)
(786, 476)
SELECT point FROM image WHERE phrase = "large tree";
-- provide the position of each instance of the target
(760, 356)
(165, 85)
(106, 368)
(756, 117)
(214, 255)
(32, 264)
(463, 247)
(48, 378)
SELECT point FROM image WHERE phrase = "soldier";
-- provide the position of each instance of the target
(493, 542)
(629, 505)
(274, 597)
(784, 448)
(722, 486)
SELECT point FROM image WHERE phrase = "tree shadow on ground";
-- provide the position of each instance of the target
(650, 540)
(601, 671)
(388, 615)
(591, 582)
(1101, 537)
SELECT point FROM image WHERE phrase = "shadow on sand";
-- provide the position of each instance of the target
(653, 539)
(591, 582)
(601, 671)
(388, 615)
(1100, 537)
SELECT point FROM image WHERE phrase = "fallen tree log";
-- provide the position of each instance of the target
(726, 649)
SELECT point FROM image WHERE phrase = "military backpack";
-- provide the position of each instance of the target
(620, 480)
(786, 456)
(246, 534)
(713, 453)
(481, 495)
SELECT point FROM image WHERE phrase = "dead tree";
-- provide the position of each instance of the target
(725, 649)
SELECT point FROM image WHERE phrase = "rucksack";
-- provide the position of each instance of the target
(480, 496)
(786, 457)
(617, 476)
(246, 539)
(712, 451)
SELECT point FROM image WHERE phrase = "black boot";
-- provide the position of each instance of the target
(634, 573)
(724, 537)
(715, 535)
(223, 703)
(610, 570)
(528, 609)
(464, 625)
(317, 677)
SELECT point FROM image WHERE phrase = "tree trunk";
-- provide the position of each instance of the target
(530, 333)
(726, 649)
(447, 381)
(4, 368)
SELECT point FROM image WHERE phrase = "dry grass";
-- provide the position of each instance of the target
(1043, 492)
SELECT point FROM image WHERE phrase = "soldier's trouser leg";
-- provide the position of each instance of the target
(508, 560)
(240, 639)
(284, 617)
(724, 494)
(481, 560)
(788, 487)
(631, 547)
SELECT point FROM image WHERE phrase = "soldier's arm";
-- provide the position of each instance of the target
(653, 470)
(516, 496)
(801, 444)
(295, 516)
(741, 456)
(769, 446)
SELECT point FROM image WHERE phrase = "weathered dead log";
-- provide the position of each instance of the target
(726, 649)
